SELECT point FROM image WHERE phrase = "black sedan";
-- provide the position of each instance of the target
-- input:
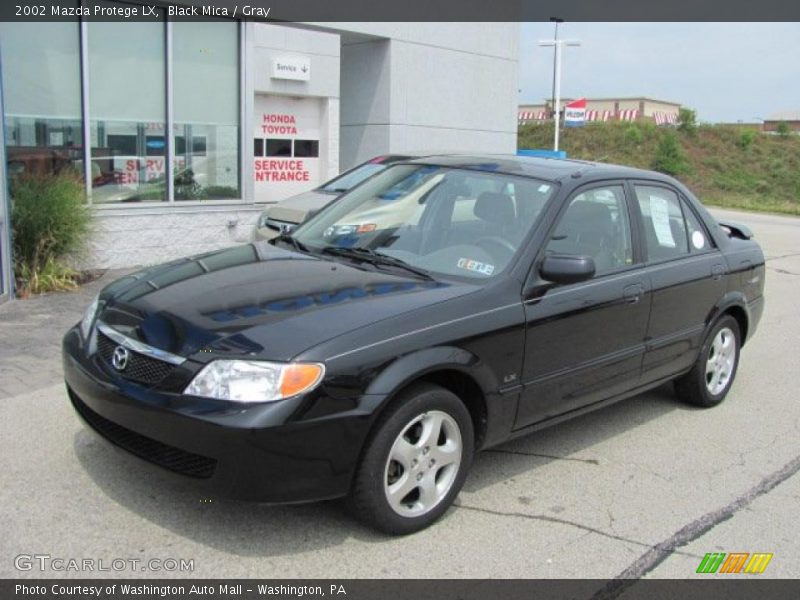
(445, 305)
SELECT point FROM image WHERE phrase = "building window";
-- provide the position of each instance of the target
(306, 148)
(205, 71)
(41, 82)
(127, 108)
(278, 147)
(127, 132)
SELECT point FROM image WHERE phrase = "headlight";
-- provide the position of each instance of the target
(88, 317)
(262, 220)
(254, 381)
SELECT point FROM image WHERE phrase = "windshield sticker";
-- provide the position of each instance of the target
(544, 188)
(659, 212)
(698, 240)
(473, 265)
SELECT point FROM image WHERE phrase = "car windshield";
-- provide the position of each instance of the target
(352, 178)
(436, 220)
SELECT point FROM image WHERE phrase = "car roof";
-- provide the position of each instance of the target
(553, 169)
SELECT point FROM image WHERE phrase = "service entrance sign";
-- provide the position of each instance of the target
(286, 146)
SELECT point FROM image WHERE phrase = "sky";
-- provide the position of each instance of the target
(727, 72)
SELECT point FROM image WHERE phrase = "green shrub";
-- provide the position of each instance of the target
(634, 135)
(669, 156)
(52, 276)
(746, 138)
(50, 221)
(687, 121)
(783, 129)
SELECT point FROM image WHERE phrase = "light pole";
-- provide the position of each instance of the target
(555, 20)
(558, 44)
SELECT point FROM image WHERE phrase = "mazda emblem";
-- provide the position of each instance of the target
(119, 360)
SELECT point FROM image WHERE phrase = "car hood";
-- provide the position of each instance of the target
(260, 300)
(297, 208)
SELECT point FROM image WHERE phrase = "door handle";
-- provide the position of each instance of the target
(717, 271)
(633, 293)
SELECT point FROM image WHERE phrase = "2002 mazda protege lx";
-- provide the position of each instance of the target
(443, 306)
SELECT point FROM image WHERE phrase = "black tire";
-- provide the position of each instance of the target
(369, 498)
(694, 387)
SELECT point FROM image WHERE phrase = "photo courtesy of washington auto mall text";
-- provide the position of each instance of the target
(177, 590)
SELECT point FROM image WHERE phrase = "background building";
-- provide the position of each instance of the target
(608, 109)
(790, 117)
(181, 130)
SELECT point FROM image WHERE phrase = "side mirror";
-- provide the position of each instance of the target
(567, 268)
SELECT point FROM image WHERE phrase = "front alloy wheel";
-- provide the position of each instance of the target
(423, 463)
(415, 461)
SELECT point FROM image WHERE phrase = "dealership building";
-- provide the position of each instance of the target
(661, 112)
(183, 130)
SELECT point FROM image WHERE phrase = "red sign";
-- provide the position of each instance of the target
(153, 168)
(278, 124)
(280, 170)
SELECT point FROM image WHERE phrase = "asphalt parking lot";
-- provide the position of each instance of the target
(642, 489)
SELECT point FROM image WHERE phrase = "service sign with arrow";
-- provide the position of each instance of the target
(575, 113)
(291, 67)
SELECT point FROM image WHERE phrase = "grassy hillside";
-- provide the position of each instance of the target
(729, 166)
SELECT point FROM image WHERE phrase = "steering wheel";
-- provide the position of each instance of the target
(489, 241)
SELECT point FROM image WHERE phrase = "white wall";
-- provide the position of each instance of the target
(146, 236)
(431, 86)
(273, 41)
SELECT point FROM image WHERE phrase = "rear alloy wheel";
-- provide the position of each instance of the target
(415, 462)
(711, 378)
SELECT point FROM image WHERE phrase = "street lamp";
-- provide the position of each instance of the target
(558, 44)
(555, 20)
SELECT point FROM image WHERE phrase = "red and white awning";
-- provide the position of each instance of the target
(525, 116)
(662, 118)
(598, 115)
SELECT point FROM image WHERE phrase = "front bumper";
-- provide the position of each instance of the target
(288, 451)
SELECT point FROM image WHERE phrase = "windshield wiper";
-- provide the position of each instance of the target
(299, 246)
(376, 258)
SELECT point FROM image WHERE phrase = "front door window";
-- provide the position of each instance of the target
(596, 224)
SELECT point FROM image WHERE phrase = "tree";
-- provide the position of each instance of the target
(746, 138)
(783, 129)
(669, 157)
(687, 121)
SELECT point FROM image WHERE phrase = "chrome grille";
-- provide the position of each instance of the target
(280, 226)
(141, 368)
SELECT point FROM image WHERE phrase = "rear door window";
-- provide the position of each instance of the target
(665, 234)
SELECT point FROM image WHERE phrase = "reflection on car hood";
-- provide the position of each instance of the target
(261, 300)
(297, 208)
